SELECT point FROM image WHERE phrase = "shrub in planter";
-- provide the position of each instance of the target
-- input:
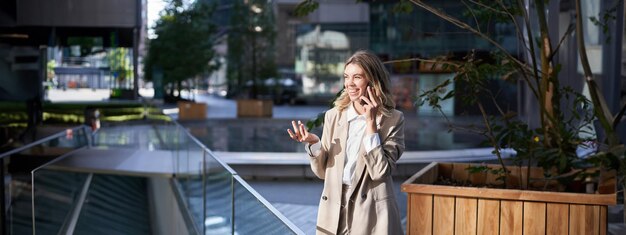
(564, 115)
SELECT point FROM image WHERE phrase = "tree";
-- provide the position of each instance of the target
(183, 47)
(250, 47)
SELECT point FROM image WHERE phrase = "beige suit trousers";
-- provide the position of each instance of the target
(343, 214)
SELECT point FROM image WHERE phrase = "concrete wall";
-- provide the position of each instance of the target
(166, 215)
(91, 13)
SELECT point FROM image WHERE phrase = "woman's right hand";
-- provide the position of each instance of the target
(300, 133)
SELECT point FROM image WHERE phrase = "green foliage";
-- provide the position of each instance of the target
(564, 114)
(604, 19)
(316, 122)
(500, 173)
(305, 7)
(184, 44)
(14, 114)
(50, 69)
(404, 6)
(119, 63)
(506, 130)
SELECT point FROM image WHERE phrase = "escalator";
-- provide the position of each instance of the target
(115, 205)
(112, 204)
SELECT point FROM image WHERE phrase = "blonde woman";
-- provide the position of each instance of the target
(362, 138)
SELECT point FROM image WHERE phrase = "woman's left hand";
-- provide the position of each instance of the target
(371, 109)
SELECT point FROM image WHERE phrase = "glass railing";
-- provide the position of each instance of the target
(209, 195)
(189, 175)
(52, 146)
(111, 202)
(220, 201)
(141, 136)
(254, 215)
(56, 198)
(22, 160)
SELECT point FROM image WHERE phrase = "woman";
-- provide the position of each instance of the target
(363, 137)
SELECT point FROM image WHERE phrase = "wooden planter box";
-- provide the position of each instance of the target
(439, 209)
(191, 110)
(254, 108)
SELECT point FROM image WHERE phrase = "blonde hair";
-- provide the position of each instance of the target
(378, 78)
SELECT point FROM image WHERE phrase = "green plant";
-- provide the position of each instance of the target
(119, 65)
(50, 69)
(50, 81)
(564, 115)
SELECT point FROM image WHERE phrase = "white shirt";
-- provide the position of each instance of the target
(356, 130)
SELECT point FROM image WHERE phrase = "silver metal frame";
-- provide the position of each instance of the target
(273, 210)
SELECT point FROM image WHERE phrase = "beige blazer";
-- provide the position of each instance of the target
(372, 208)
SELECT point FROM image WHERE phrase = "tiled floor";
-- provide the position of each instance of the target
(303, 216)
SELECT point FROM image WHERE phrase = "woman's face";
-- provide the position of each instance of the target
(354, 81)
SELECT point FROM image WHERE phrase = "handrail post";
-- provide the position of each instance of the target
(2, 200)
(232, 204)
(70, 223)
(204, 200)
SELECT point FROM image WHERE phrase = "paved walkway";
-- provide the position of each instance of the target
(218, 107)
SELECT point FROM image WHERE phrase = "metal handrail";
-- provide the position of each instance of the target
(70, 223)
(236, 176)
(268, 205)
(39, 141)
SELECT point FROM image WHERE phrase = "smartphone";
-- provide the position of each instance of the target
(366, 95)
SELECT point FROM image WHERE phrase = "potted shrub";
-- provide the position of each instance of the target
(517, 200)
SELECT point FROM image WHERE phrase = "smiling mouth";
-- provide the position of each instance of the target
(353, 92)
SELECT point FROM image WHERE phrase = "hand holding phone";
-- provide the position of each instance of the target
(370, 110)
(366, 95)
